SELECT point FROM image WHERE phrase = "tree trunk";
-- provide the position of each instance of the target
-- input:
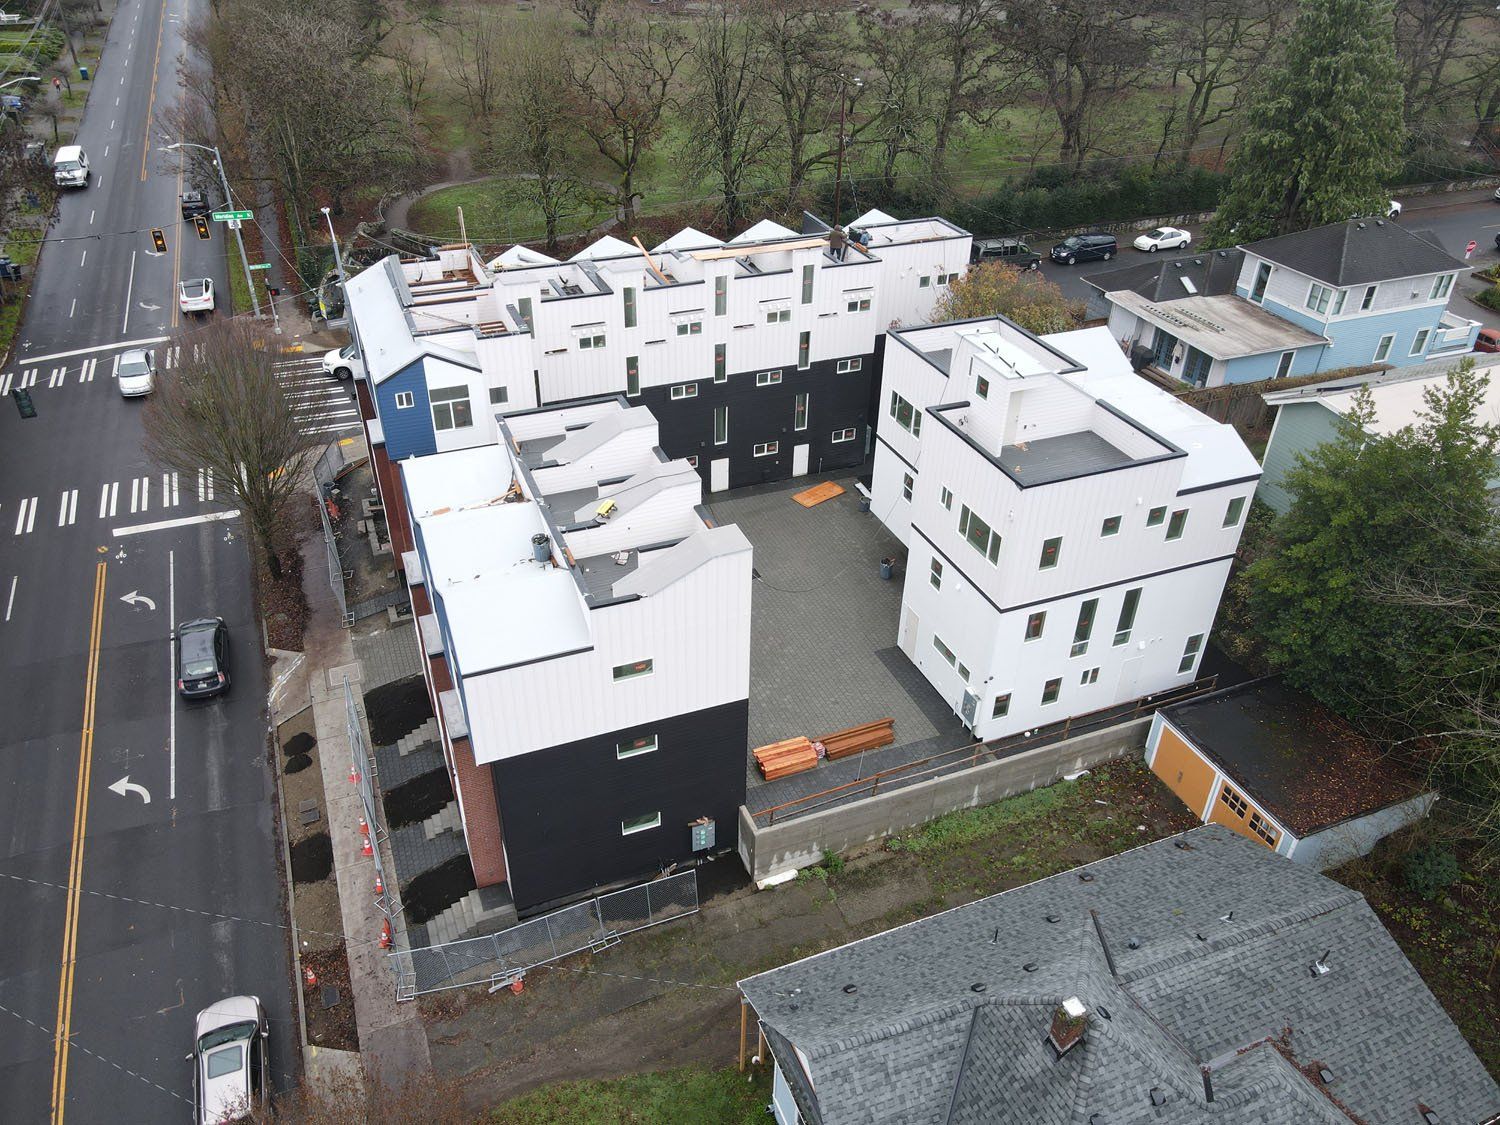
(273, 563)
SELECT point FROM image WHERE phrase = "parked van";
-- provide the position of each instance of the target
(70, 167)
(1085, 247)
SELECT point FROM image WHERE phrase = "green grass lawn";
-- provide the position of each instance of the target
(676, 1097)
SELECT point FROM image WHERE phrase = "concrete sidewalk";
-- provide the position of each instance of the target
(393, 1043)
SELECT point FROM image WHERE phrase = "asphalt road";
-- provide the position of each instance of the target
(1455, 218)
(126, 909)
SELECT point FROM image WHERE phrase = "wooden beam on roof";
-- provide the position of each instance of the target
(650, 264)
(758, 248)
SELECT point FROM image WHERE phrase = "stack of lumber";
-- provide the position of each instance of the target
(784, 758)
(866, 736)
(808, 497)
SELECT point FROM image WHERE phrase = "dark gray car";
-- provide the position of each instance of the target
(202, 658)
(1086, 247)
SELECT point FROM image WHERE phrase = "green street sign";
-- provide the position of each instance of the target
(260, 265)
(225, 216)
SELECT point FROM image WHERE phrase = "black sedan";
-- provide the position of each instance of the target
(202, 658)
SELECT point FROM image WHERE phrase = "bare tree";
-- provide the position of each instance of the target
(588, 11)
(1431, 35)
(1085, 56)
(966, 38)
(725, 104)
(901, 81)
(622, 94)
(536, 138)
(411, 64)
(805, 45)
(223, 409)
(474, 47)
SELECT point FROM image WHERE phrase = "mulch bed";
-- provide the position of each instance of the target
(417, 799)
(330, 1027)
(282, 603)
(312, 859)
(432, 892)
(396, 709)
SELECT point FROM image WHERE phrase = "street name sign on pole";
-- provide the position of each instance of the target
(260, 265)
(225, 216)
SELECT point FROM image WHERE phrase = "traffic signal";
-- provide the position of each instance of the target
(159, 240)
(202, 224)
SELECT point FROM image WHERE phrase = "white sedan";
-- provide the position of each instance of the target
(196, 295)
(1394, 210)
(1163, 238)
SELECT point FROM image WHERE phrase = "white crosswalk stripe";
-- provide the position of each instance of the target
(28, 377)
(114, 371)
(67, 508)
(169, 495)
(86, 372)
(140, 493)
(205, 485)
(5, 382)
(26, 515)
(109, 499)
(58, 377)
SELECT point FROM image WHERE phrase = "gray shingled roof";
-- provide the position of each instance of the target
(1212, 274)
(1358, 252)
(1220, 982)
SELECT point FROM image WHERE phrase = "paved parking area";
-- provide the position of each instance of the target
(823, 652)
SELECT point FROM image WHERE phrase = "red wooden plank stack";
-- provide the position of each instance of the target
(867, 736)
(784, 758)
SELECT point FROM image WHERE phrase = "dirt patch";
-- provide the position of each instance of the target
(396, 709)
(417, 799)
(282, 603)
(329, 1026)
(432, 892)
(312, 859)
(296, 763)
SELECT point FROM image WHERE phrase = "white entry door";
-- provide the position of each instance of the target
(799, 459)
(718, 474)
(1130, 674)
(909, 635)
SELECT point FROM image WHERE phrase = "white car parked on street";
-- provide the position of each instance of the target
(1393, 211)
(1163, 238)
(230, 1068)
(137, 373)
(196, 295)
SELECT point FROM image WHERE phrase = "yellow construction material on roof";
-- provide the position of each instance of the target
(818, 493)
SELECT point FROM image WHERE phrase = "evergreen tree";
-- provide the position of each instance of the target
(1323, 131)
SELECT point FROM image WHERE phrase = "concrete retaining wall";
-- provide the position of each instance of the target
(800, 842)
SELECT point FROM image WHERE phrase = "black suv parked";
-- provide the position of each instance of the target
(1083, 247)
(202, 657)
(193, 204)
(1011, 251)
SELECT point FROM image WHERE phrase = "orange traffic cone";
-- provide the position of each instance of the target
(365, 848)
(379, 884)
(364, 827)
(309, 976)
(385, 934)
(353, 776)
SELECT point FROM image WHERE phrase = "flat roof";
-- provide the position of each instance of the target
(1303, 764)
(1062, 457)
(1224, 327)
(1398, 395)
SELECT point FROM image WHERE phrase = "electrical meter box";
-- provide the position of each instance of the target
(703, 834)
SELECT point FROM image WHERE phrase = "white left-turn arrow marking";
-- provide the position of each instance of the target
(125, 785)
(134, 598)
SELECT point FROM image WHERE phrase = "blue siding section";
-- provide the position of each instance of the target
(408, 432)
(1300, 428)
(1354, 341)
(1248, 369)
(1302, 318)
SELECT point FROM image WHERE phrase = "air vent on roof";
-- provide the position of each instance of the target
(541, 548)
(1029, 967)
(1182, 845)
(1325, 1075)
(1133, 943)
(1320, 966)
(1085, 876)
(978, 986)
(1098, 1119)
(1429, 1114)
(1054, 917)
(1227, 917)
(1104, 1012)
(850, 989)
(1158, 1096)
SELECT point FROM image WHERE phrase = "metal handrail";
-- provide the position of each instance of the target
(1055, 732)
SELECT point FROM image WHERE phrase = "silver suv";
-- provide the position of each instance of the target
(230, 1069)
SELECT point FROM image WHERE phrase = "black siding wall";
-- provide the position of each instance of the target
(562, 806)
(763, 414)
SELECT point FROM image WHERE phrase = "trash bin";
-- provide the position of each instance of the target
(864, 503)
(83, 72)
(887, 568)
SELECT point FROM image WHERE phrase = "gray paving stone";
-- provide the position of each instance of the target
(395, 767)
(414, 853)
(387, 653)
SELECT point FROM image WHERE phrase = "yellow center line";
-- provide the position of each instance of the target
(161, 27)
(75, 866)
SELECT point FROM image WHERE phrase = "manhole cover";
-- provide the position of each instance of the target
(337, 676)
(330, 996)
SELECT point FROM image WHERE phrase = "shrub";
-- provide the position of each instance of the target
(1431, 870)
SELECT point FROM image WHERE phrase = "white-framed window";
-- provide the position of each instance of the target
(907, 416)
(804, 351)
(1001, 707)
(450, 408)
(721, 295)
(1126, 621)
(587, 342)
(1368, 301)
(1190, 653)
(1441, 287)
(947, 278)
(1338, 301)
(982, 386)
(632, 670)
(628, 295)
(632, 375)
(690, 328)
(721, 365)
(767, 378)
(1051, 552)
(1110, 526)
(1035, 624)
(1383, 349)
(845, 366)
(946, 498)
(643, 745)
(721, 425)
(1177, 523)
(685, 390)
(935, 573)
(947, 654)
(778, 316)
(1233, 512)
(1419, 343)
(1318, 297)
(640, 823)
(405, 400)
(799, 412)
(1284, 364)
(807, 284)
(858, 304)
(766, 448)
(907, 484)
(978, 534)
(1085, 627)
(1051, 690)
(1090, 676)
(692, 459)
(924, 283)
(844, 435)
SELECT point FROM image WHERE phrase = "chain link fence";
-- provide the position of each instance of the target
(501, 958)
(361, 772)
(326, 470)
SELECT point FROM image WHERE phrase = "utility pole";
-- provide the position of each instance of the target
(838, 175)
(238, 237)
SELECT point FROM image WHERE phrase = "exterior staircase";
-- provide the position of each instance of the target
(427, 732)
(446, 819)
(484, 911)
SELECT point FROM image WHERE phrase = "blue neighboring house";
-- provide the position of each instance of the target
(1343, 295)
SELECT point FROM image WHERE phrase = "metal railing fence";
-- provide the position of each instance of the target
(361, 773)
